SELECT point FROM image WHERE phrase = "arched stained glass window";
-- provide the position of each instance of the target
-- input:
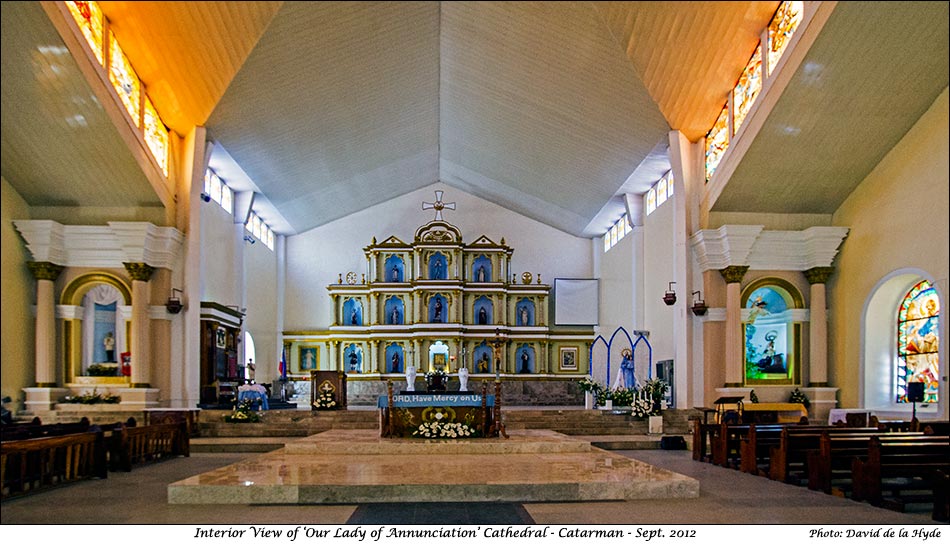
(918, 341)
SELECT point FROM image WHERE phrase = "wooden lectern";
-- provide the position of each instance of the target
(332, 380)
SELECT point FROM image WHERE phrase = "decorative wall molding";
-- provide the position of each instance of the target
(102, 246)
(759, 249)
(158, 312)
(68, 311)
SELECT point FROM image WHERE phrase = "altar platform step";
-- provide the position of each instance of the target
(356, 466)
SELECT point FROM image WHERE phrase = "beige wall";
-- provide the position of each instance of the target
(218, 256)
(17, 295)
(898, 218)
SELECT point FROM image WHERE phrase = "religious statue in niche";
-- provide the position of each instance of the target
(394, 275)
(480, 275)
(482, 316)
(354, 359)
(109, 344)
(394, 317)
(523, 316)
(437, 270)
(525, 361)
(483, 364)
(437, 310)
(354, 317)
(627, 369)
(395, 367)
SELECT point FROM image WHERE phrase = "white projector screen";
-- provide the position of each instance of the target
(576, 302)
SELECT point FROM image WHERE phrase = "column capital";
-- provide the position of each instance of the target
(733, 274)
(139, 271)
(819, 274)
(45, 270)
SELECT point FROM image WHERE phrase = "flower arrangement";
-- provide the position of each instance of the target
(641, 406)
(623, 396)
(588, 385)
(798, 396)
(655, 390)
(440, 429)
(101, 370)
(325, 401)
(243, 413)
(92, 398)
(430, 375)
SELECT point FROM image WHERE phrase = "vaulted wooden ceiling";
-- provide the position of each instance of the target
(545, 108)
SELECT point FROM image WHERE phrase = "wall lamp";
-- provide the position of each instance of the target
(249, 239)
(206, 197)
(174, 305)
(670, 296)
(699, 305)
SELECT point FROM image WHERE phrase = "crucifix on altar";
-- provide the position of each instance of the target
(438, 206)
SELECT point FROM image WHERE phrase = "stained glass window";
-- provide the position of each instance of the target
(156, 135)
(661, 192)
(782, 28)
(627, 227)
(669, 184)
(651, 200)
(606, 241)
(89, 18)
(717, 140)
(746, 91)
(918, 340)
(124, 80)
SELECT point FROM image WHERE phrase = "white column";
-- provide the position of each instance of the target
(818, 330)
(733, 276)
(45, 361)
(141, 360)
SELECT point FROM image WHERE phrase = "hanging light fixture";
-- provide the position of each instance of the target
(174, 305)
(699, 305)
(670, 296)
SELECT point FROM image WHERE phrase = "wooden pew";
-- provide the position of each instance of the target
(907, 463)
(702, 433)
(30, 430)
(756, 446)
(136, 445)
(37, 463)
(832, 461)
(787, 461)
(941, 488)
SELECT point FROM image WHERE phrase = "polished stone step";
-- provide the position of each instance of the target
(414, 470)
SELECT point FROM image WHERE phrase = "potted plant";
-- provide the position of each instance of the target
(591, 390)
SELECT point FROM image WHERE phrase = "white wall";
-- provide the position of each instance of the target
(316, 258)
(218, 255)
(260, 264)
(657, 273)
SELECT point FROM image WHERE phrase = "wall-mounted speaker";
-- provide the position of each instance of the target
(915, 392)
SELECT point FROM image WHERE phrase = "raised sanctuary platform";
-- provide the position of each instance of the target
(357, 466)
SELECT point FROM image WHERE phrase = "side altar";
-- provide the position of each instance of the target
(439, 303)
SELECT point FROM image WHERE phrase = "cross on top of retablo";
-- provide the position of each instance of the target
(438, 206)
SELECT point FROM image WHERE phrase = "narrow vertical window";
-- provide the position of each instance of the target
(156, 135)
(717, 140)
(651, 200)
(782, 28)
(124, 80)
(747, 89)
(918, 341)
(89, 18)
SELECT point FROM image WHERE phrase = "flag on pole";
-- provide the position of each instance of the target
(283, 363)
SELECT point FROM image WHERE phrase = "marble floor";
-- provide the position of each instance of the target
(356, 466)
